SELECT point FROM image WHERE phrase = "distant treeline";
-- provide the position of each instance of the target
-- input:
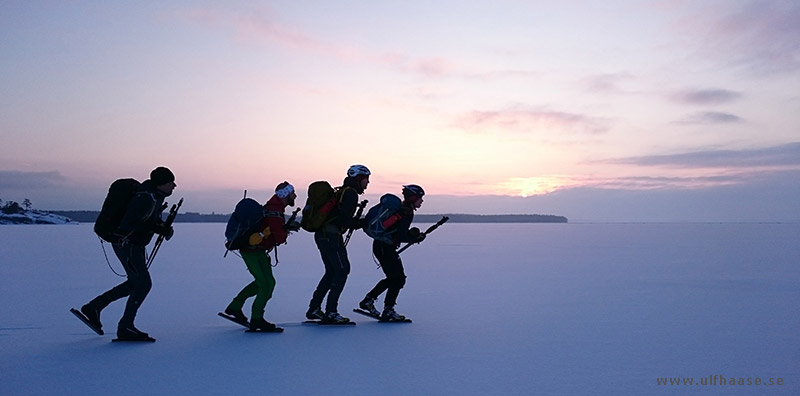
(89, 216)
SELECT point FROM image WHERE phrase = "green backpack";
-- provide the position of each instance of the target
(321, 200)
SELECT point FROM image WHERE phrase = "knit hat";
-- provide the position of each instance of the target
(161, 175)
(284, 190)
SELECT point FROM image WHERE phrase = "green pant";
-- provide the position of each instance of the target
(262, 287)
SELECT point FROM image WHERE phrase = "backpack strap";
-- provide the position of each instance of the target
(338, 193)
(152, 206)
(272, 213)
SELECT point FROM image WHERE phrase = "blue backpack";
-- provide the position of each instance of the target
(381, 217)
(244, 220)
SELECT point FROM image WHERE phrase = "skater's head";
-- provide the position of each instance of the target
(412, 195)
(285, 192)
(163, 179)
(360, 174)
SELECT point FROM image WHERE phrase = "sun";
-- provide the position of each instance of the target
(530, 186)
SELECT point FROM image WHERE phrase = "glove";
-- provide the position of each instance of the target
(355, 224)
(293, 225)
(258, 237)
(416, 235)
(165, 231)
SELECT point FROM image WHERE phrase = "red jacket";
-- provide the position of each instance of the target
(272, 225)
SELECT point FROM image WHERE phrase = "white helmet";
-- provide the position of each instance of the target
(356, 170)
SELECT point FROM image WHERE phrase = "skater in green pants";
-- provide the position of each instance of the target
(272, 232)
(258, 263)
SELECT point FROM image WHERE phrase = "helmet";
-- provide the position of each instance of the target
(356, 170)
(413, 189)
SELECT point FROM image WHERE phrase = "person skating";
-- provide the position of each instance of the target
(272, 232)
(142, 219)
(331, 247)
(389, 259)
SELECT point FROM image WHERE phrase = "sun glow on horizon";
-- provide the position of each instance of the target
(537, 185)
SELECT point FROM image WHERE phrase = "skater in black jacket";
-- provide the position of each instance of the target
(331, 247)
(389, 259)
(141, 220)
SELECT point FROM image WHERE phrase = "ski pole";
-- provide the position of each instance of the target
(173, 212)
(293, 216)
(361, 207)
(428, 231)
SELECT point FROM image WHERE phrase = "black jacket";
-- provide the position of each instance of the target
(403, 225)
(143, 215)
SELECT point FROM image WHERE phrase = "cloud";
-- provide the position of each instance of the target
(706, 96)
(504, 74)
(664, 182)
(607, 83)
(434, 67)
(260, 25)
(531, 121)
(30, 180)
(759, 36)
(264, 25)
(711, 117)
(782, 156)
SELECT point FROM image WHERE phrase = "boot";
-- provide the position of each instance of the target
(261, 325)
(315, 313)
(237, 314)
(93, 315)
(131, 333)
(334, 318)
(390, 315)
(368, 304)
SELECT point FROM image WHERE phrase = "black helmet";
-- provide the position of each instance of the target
(413, 190)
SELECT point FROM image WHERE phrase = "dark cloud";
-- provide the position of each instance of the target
(706, 96)
(711, 117)
(30, 180)
(666, 182)
(786, 155)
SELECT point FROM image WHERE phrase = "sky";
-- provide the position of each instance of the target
(662, 110)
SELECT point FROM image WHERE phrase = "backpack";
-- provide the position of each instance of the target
(116, 203)
(321, 200)
(245, 220)
(382, 217)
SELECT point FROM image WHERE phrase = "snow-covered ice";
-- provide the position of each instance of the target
(498, 309)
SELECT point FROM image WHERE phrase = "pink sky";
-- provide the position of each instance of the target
(548, 106)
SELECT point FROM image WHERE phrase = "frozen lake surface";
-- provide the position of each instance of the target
(500, 309)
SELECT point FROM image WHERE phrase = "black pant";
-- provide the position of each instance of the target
(136, 287)
(337, 268)
(392, 267)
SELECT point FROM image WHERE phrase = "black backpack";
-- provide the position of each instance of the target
(114, 206)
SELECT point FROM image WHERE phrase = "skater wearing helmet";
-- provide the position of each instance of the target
(389, 259)
(331, 246)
